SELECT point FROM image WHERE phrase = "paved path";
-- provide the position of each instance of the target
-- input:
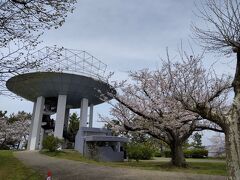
(67, 169)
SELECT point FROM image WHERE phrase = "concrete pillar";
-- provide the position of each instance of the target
(41, 138)
(37, 122)
(61, 109)
(91, 116)
(66, 119)
(118, 146)
(84, 112)
(31, 126)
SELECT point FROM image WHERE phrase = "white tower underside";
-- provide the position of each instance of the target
(62, 116)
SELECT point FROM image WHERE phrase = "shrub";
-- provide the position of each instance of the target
(196, 153)
(4, 147)
(190, 153)
(187, 153)
(158, 154)
(139, 151)
(167, 153)
(52, 143)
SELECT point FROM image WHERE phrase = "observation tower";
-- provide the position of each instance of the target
(65, 79)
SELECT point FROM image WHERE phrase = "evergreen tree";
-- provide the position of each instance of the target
(197, 140)
(73, 127)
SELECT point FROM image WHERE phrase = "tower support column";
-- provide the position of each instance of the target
(66, 119)
(31, 126)
(84, 112)
(37, 121)
(91, 116)
(61, 109)
(42, 133)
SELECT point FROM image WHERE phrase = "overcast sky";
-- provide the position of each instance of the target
(126, 35)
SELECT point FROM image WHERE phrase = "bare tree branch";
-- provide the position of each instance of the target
(22, 22)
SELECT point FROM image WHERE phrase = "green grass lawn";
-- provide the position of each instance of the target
(199, 166)
(12, 168)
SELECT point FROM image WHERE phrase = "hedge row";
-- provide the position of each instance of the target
(139, 151)
(190, 153)
(195, 153)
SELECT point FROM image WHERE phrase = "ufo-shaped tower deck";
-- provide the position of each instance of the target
(64, 79)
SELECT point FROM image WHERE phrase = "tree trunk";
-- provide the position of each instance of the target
(232, 151)
(232, 130)
(2, 144)
(177, 154)
(18, 145)
(232, 137)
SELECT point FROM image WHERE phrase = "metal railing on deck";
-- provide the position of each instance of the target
(55, 59)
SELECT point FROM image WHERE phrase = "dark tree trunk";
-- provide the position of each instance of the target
(18, 145)
(232, 152)
(2, 145)
(178, 158)
(232, 130)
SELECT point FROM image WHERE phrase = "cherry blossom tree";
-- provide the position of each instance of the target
(150, 102)
(14, 130)
(222, 35)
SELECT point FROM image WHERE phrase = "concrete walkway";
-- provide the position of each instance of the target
(67, 169)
